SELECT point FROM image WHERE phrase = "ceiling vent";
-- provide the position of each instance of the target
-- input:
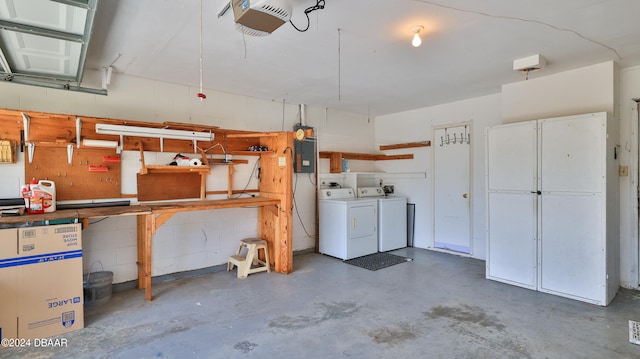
(260, 17)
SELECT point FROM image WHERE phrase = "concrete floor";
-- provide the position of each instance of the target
(436, 306)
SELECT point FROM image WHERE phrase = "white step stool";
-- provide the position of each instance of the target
(244, 263)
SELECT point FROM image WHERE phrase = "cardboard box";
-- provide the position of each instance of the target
(48, 290)
(51, 284)
(8, 284)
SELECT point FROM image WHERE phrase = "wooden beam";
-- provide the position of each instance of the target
(332, 155)
(276, 182)
(188, 126)
(230, 182)
(143, 169)
(235, 191)
(252, 135)
(144, 229)
(187, 206)
(405, 145)
(335, 162)
(203, 186)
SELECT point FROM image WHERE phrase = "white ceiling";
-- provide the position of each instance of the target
(357, 54)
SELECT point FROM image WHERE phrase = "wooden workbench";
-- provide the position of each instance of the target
(160, 213)
(70, 164)
(152, 216)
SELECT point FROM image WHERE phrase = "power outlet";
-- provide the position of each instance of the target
(623, 171)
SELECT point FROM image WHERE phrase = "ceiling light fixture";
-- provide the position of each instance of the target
(161, 133)
(123, 130)
(417, 41)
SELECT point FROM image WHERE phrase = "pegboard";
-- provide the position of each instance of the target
(74, 181)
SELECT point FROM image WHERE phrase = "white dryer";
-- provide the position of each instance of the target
(348, 225)
(392, 218)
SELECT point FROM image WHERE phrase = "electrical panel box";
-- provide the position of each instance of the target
(304, 153)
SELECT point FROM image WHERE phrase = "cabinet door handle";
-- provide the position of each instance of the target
(537, 192)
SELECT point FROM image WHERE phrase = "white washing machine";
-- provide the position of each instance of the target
(392, 218)
(348, 225)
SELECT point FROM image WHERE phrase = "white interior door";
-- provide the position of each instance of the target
(452, 197)
(511, 211)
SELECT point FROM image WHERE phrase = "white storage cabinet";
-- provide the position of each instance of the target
(552, 206)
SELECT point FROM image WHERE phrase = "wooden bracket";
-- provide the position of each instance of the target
(160, 219)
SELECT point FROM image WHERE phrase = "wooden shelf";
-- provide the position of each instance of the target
(406, 145)
(38, 144)
(203, 170)
(252, 135)
(216, 161)
(335, 158)
(249, 153)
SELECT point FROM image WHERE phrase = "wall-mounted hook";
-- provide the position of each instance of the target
(26, 121)
(69, 153)
(30, 149)
(467, 135)
(78, 132)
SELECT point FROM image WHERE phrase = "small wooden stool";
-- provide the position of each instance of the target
(244, 263)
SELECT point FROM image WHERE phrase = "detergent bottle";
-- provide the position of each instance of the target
(43, 197)
(25, 191)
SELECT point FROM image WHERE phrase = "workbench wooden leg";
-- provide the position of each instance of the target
(230, 182)
(203, 187)
(145, 226)
(140, 244)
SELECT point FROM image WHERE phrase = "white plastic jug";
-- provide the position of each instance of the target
(45, 193)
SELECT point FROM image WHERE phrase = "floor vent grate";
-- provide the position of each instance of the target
(634, 332)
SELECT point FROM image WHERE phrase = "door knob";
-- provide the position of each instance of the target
(465, 195)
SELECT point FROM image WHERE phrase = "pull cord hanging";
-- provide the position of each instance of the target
(201, 94)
